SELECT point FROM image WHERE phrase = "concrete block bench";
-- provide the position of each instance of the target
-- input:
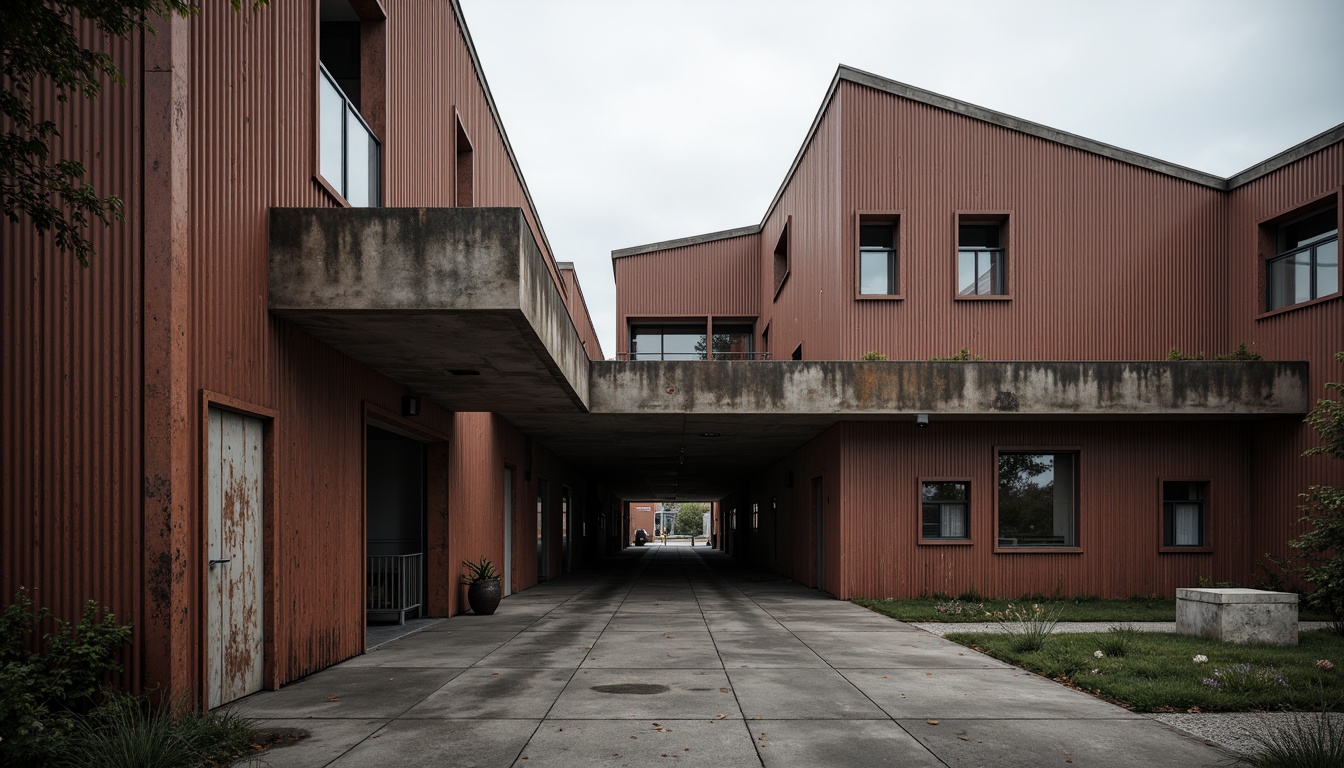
(1237, 615)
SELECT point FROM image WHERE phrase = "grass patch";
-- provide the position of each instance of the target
(1157, 672)
(129, 732)
(1074, 609)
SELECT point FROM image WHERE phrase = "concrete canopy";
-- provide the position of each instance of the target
(689, 430)
(455, 303)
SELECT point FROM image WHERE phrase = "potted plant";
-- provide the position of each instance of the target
(483, 590)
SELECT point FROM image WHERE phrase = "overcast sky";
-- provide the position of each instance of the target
(638, 121)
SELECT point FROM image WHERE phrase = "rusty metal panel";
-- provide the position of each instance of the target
(235, 466)
(719, 278)
(578, 311)
(70, 402)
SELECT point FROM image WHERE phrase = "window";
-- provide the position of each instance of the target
(1038, 499)
(797, 353)
(349, 153)
(878, 268)
(1183, 513)
(982, 258)
(687, 341)
(465, 187)
(946, 509)
(1306, 261)
(755, 516)
(782, 256)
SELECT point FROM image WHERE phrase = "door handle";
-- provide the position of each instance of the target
(213, 563)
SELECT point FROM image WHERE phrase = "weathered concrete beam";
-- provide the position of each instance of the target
(455, 303)
(962, 389)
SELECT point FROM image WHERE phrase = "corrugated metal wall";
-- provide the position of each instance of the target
(720, 278)
(1313, 333)
(70, 406)
(578, 312)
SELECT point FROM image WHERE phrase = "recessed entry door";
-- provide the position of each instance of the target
(234, 548)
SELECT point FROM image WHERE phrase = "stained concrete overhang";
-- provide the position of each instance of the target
(455, 303)
(646, 436)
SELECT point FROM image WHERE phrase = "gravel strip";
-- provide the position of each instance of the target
(1065, 627)
(1232, 730)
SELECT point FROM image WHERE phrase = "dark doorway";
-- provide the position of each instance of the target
(395, 527)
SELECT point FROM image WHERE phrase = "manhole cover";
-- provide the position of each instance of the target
(642, 689)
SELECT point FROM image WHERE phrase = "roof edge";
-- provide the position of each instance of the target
(1292, 154)
(710, 237)
(1028, 127)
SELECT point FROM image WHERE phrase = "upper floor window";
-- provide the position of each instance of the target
(349, 153)
(878, 268)
(982, 257)
(1306, 261)
(684, 341)
(781, 260)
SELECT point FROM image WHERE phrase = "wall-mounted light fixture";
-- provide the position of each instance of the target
(410, 405)
(922, 420)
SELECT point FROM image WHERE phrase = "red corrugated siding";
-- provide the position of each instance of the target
(1313, 333)
(70, 476)
(720, 278)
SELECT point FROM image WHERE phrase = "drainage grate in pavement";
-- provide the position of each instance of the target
(641, 689)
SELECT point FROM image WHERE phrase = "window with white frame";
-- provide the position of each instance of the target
(946, 509)
(1183, 505)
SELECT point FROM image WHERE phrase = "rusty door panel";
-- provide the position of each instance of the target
(234, 641)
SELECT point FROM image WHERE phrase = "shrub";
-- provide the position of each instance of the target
(1241, 353)
(961, 356)
(1028, 627)
(42, 691)
(873, 356)
(1119, 641)
(1320, 550)
(129, 732)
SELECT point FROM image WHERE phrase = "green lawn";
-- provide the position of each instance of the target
(1151, 672)
(1075, 609)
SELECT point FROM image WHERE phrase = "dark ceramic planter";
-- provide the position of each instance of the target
(484, 596)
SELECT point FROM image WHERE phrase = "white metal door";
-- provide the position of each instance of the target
(235, 508)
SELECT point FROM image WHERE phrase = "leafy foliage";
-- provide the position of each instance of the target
(690, 519)
(40, 46)
(41, 692)
(1240, 353)
(962, 355)
(873, 356)
(1320, 550)
(482, 571)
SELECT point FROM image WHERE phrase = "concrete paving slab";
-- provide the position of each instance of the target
(841, 623)
(495, 694)
(459, 743)
(564, 650)
(810, 743)
(615, 694)
(745, 621)
(894, 649)
(977, 693)
(347, 692)
(321, 741)
(682, 649)
(428, 649)
(765, 648)
(561, 622)
(607, 744)
(1080, 743)
(800, 694)
(656, 622)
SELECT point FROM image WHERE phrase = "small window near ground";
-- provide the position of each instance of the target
(982, 257)
(946, 510)
(1183, 504)
(878, 267)
(1305, 265)
(1038, 499)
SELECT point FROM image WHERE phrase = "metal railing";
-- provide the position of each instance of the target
(395, 586)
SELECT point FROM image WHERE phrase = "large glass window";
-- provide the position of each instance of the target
(1183, 513)
(946, 510)
(1038, 495)
(667, 342)
(1306, 266)
(877, 258)
(349, 154)
(981, 259)
(733, 341)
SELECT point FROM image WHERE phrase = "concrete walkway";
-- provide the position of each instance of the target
(684, 656)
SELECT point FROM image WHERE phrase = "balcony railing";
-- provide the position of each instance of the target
(351, 156)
